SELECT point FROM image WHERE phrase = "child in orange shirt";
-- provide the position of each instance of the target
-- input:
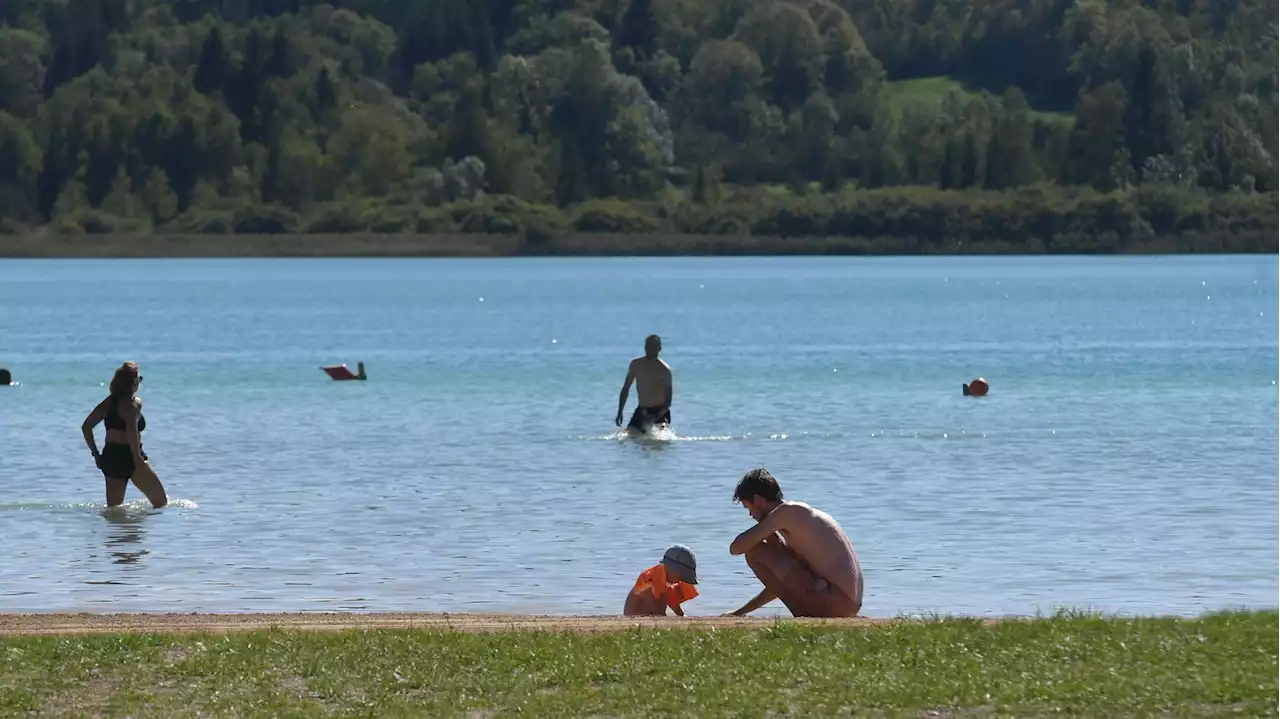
(666, 584)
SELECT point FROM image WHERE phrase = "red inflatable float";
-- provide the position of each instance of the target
(977, 388)
(341, 372)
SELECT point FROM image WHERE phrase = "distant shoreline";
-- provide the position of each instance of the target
(52, 246)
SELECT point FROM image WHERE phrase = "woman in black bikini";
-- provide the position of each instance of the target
(122, 458)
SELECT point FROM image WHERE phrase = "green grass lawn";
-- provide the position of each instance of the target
(1218, 665)
(928, 93)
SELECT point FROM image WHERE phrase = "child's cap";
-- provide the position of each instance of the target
(680, 562)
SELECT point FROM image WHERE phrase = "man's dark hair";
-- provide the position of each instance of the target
(652, 345)
(757, 483)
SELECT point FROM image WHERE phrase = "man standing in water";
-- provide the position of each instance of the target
(798, 553)
(653, 389)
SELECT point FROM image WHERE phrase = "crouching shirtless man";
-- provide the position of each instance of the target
(798, 553)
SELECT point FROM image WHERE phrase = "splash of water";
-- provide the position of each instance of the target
(133, 506)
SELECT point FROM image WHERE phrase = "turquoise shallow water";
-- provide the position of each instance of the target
(1125, 461)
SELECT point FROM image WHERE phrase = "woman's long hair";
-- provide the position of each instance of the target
(125, 376)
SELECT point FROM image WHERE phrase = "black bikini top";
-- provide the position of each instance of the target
(113, 420)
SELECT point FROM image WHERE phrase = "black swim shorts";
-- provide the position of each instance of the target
(645, 417)
(117, 461)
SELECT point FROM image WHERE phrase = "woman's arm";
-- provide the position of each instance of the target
(90, 422)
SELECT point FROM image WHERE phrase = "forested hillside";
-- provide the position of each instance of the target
(710, 116)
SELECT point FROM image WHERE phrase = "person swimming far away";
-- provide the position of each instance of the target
(654, 391)
(976, 388)
(341, 373)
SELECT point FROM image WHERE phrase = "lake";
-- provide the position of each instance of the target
(1125, 460)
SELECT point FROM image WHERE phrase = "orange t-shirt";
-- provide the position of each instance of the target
(654, 579)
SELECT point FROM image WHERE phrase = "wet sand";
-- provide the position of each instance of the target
(29, 624)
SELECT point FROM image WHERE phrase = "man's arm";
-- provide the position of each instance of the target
(765, 528)
(626, 390)
(666, 404)
(764, 597)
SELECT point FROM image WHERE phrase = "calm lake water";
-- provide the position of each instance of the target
(1125, 460)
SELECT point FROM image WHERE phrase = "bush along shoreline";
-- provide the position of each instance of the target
(897, 221)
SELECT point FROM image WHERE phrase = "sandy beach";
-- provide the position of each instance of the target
(31, 624)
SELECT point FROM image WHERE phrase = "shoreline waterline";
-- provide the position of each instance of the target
(95, 623)
(66, 623)
(575, 244)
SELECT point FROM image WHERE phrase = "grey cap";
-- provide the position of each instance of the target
(679, 560)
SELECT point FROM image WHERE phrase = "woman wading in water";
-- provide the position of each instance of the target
(122, 458)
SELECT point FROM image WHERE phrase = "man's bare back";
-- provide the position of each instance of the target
(653, 380)
(800, 554)
(817, 540)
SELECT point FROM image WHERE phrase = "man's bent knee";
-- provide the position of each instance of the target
(772, 562)
(762, 556)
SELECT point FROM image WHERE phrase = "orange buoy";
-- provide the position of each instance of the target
(976, 388)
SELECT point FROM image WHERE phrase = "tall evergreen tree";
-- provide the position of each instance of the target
(214, 67)
(639, 27)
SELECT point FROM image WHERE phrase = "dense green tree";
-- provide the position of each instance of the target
(207, 111)
(22, 71)
(1099, 151)
(1010, 153)
(214, 67)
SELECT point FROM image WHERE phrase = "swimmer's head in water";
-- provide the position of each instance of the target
(681, 565)
(126, 379)
(652, 345)
(758, 491)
